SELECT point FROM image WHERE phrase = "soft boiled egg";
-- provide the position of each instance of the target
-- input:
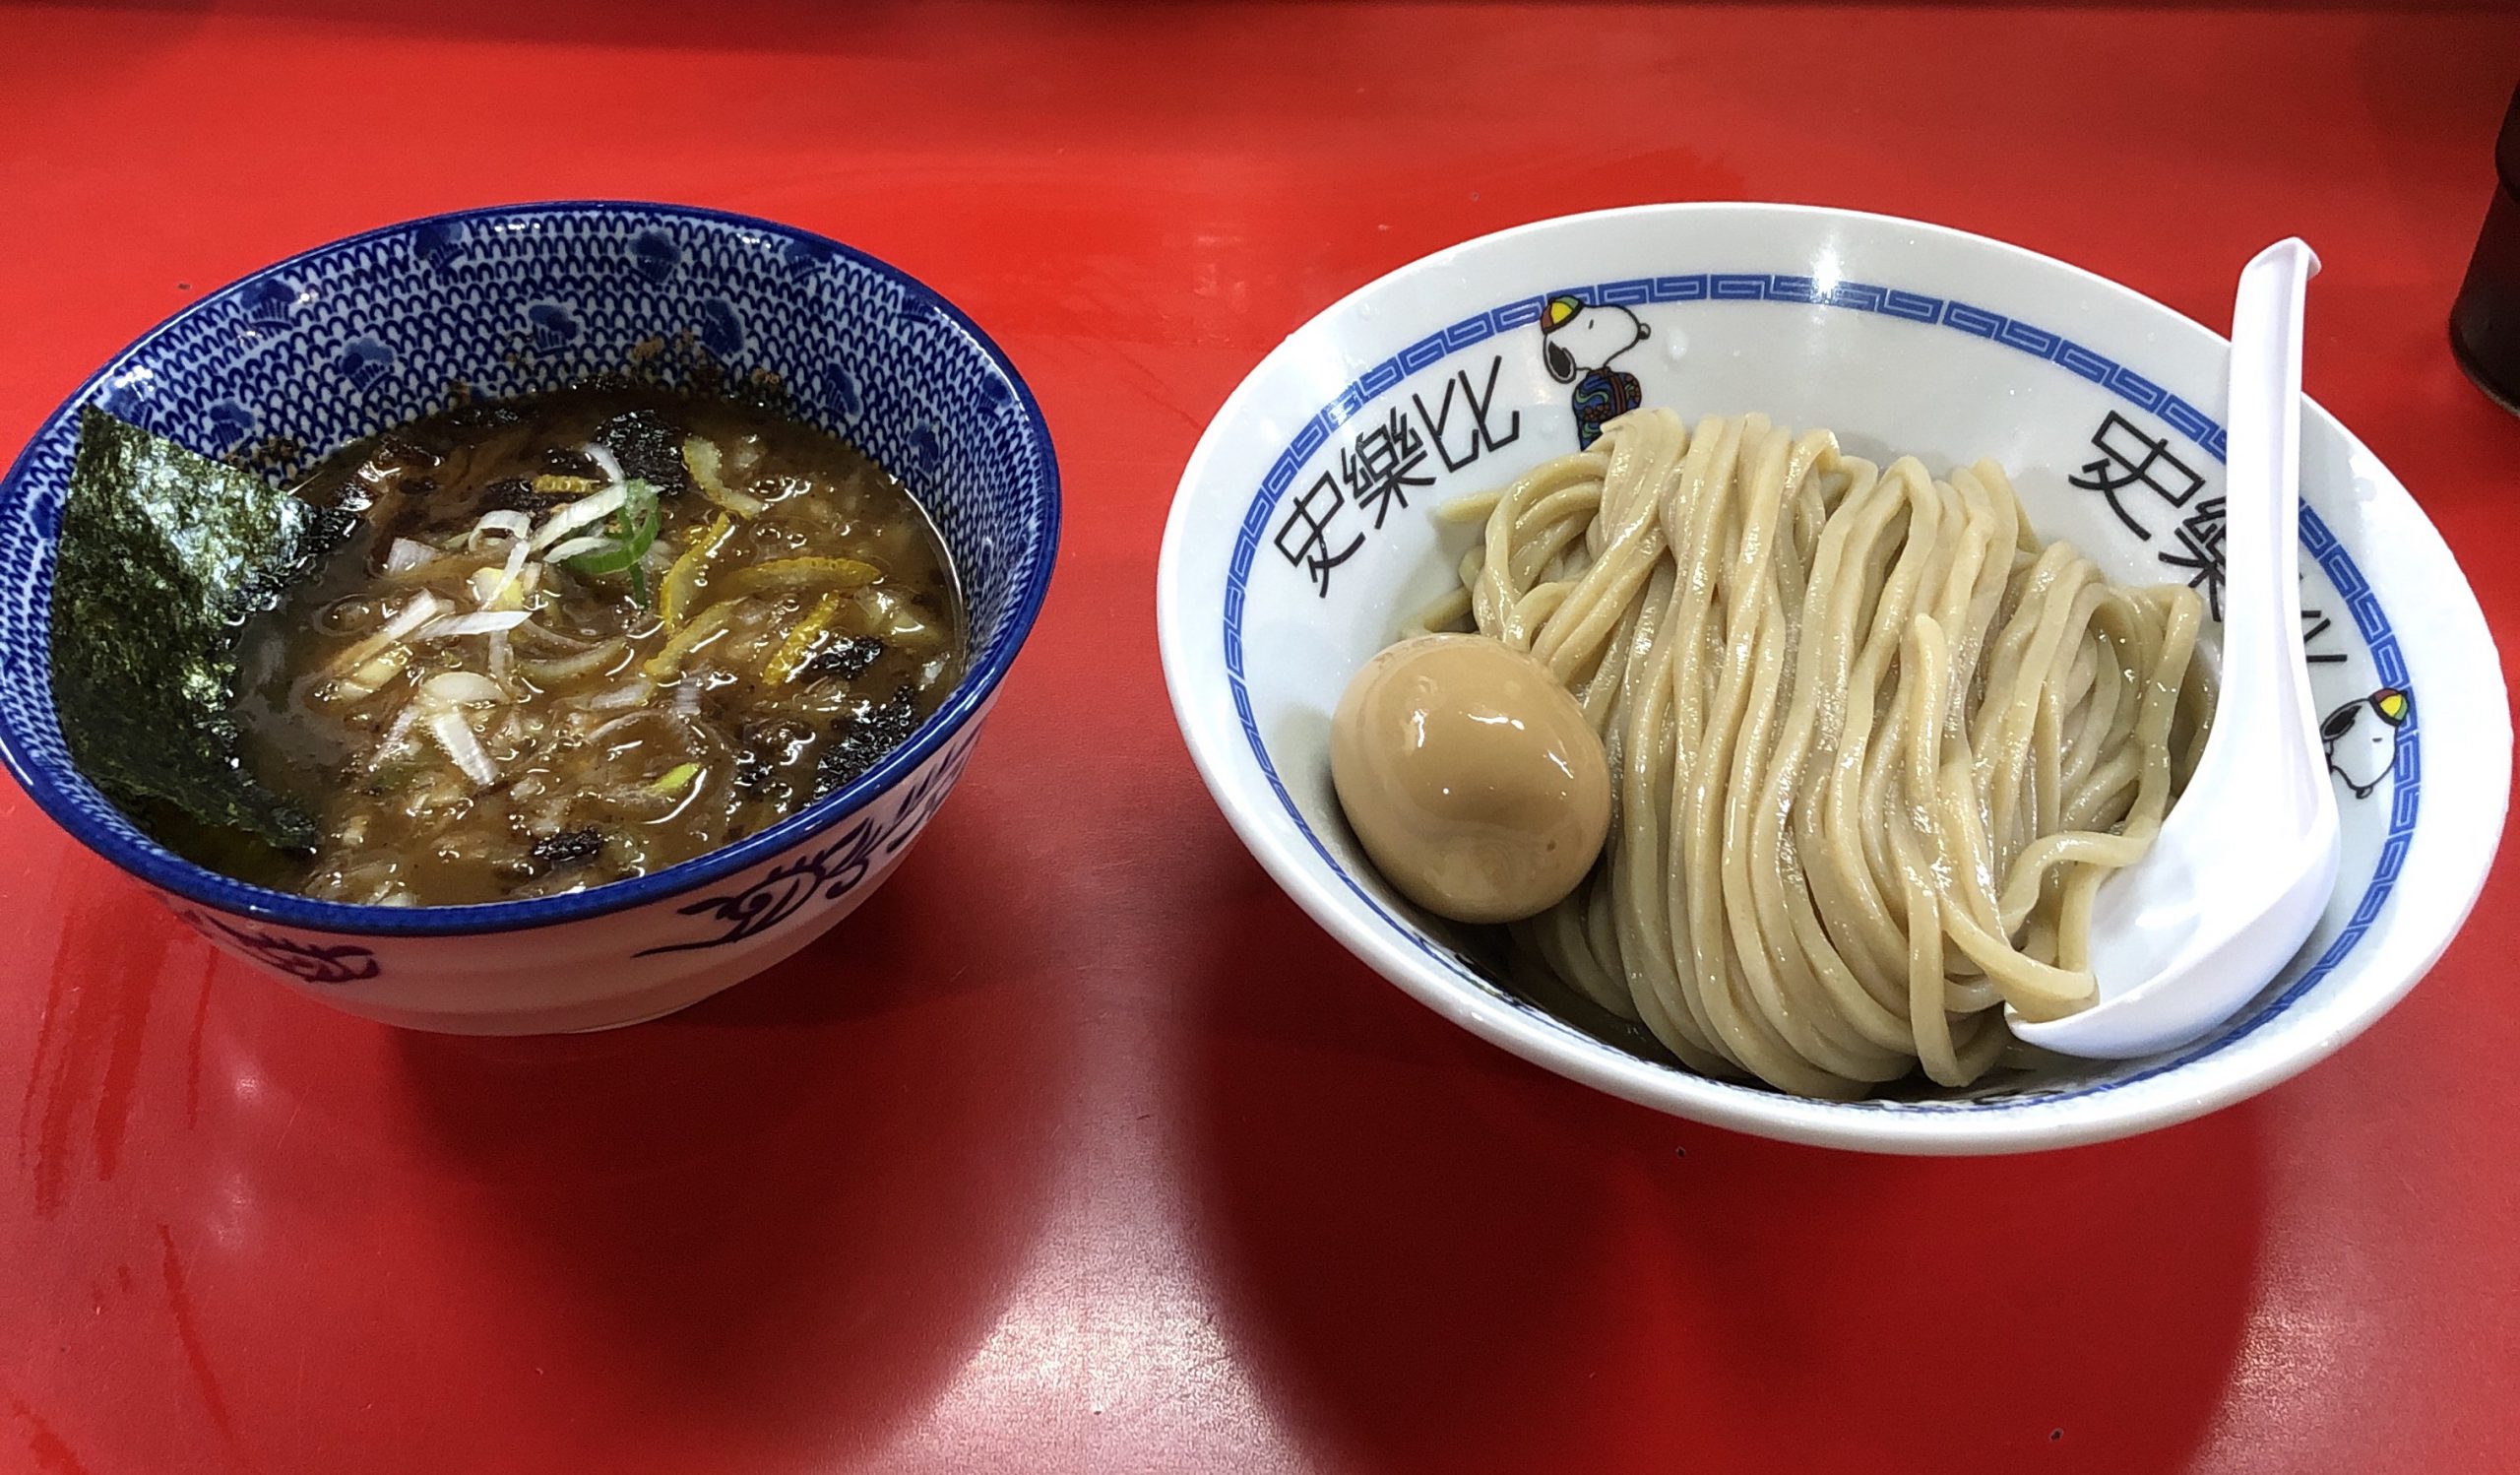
(1470, 776)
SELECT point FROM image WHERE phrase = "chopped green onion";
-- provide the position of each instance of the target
(674, 780)
(634, 525)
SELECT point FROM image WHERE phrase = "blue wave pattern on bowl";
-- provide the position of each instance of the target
(353, 338)
(1930, 311)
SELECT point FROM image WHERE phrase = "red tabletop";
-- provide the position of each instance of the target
(1079, 1148)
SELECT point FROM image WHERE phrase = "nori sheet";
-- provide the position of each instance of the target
(162, 557)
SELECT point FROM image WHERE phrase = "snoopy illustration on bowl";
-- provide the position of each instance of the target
(1578, 343)
(2361, 739)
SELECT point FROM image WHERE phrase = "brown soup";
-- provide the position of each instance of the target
(584, 636)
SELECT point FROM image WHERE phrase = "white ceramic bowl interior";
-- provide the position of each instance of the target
(1300, 538)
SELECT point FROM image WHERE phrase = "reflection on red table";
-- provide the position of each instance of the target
(1079, 1150)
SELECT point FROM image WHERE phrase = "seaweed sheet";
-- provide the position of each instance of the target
(163, 556)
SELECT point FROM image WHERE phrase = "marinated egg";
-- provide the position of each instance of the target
(1470, 776)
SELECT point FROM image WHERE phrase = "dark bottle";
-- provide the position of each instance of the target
(2484, 323)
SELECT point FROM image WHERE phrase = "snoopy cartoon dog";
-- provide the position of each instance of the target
(1578, 345)
(2361, 739)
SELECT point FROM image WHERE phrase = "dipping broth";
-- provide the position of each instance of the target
(584, 636)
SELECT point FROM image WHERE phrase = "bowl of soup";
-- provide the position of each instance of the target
(1721, 652)
(527, 620)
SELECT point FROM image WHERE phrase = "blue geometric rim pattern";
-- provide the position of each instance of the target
(361, 334)
(1960, 317)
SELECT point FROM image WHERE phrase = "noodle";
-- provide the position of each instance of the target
(1873, 746)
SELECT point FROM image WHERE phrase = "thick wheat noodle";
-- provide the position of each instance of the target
(1873, 746)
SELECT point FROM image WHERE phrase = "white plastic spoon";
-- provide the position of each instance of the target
(2246, 858)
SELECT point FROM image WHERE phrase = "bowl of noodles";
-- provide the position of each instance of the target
(1872, 572)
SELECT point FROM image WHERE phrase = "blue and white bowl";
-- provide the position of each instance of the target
(351, 337)
(1299, 539)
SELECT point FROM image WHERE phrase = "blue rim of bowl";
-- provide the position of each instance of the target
(163, 868)
(1924, 310)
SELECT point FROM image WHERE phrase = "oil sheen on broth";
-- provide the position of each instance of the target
(586, 635)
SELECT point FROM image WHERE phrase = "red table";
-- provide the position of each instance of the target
(1079, 1150)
